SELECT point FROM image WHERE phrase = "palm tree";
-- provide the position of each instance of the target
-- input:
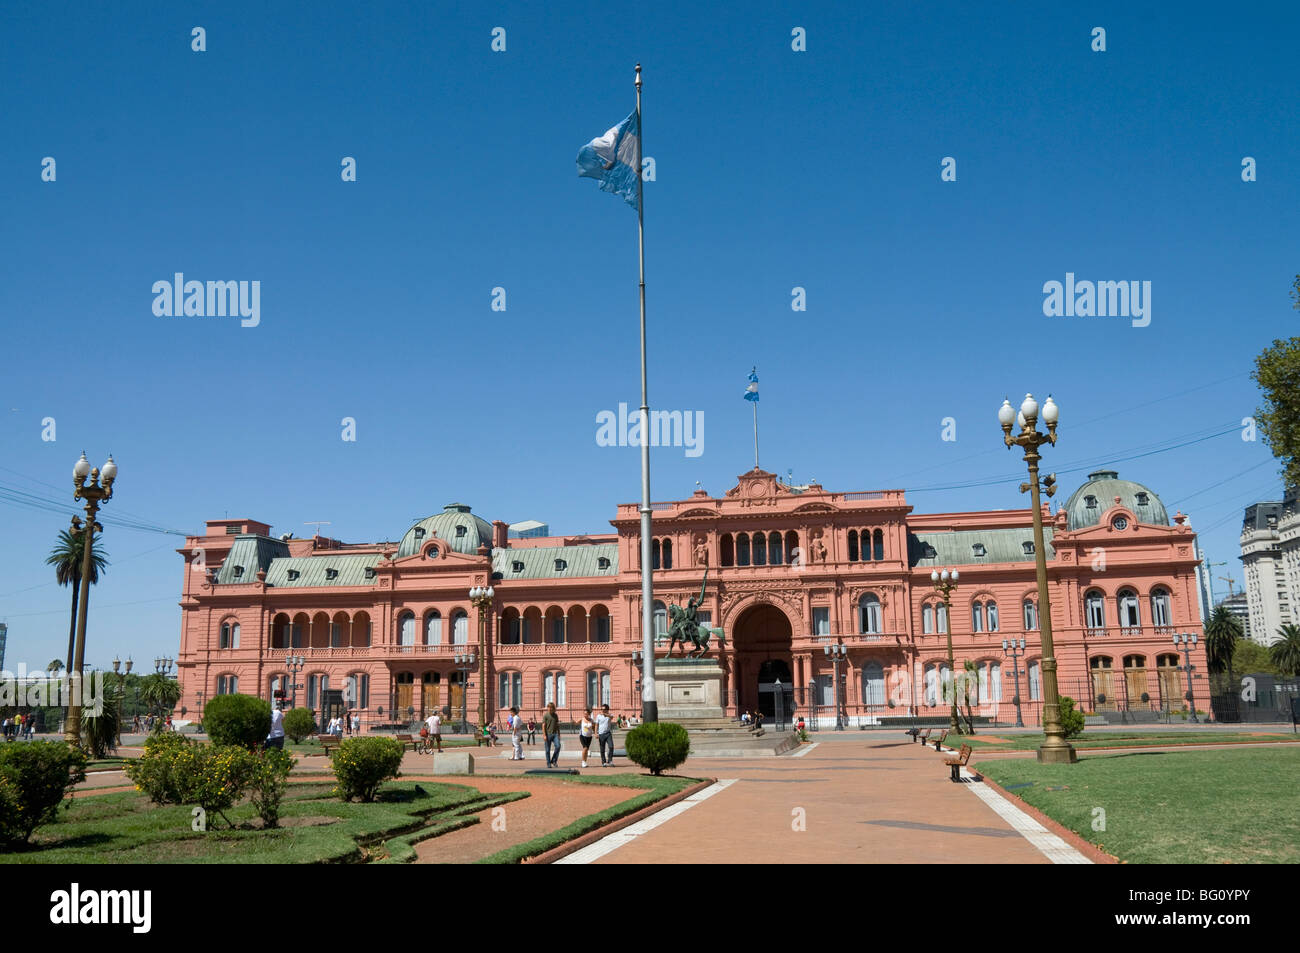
(55, 666)
(1221, 635)
(1286, 653)
(67, 559)
(159, 692)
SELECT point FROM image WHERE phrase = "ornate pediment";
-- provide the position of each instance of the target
(757, 488)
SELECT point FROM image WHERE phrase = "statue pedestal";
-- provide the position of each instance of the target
(688, 688)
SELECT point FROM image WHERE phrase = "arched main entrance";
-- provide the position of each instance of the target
(761, 642)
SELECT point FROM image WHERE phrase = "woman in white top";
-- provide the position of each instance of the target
(586, 729)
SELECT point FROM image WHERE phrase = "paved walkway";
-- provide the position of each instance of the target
(877, 800)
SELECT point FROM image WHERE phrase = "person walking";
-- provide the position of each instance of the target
(551, 731)
(434, 725)
(276, 738)
(586, 729)
(532, 731)
(356, 722)
(516, 735)
(605, 732)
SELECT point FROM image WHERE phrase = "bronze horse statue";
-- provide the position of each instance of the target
(685, 626)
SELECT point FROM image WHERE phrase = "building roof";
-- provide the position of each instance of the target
(958, 548)
(249, 553)
(540, 563)
(1100, 491)
(447, 526)
(315, 570)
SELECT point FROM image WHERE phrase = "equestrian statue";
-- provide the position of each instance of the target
(685, 626)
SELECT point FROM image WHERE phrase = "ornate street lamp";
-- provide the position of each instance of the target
(295, 664)
(837, 653)
(465, 665)
(1187, 643)
(945, 581)
(482, 600)
(1015, 648)
(93, 492)
(1054, 749)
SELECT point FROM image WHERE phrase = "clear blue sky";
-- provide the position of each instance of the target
(775, 169)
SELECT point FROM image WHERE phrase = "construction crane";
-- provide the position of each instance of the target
(1209, 574)
(1229, 580)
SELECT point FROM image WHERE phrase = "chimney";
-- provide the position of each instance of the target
(500, 531)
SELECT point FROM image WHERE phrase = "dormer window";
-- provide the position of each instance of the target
(331, 573)
(461, 530)
(1090, 501)
(293, 575)
(516, 566)
(239, 572)
(1028, 547)
(602, 562)
(1143, 499)
(419, 532)
(370, 572)
(561, 565)
(928, 551)
(979, 550)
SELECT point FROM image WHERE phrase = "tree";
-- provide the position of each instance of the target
(55, 666)
(1221, 635)
(1251, 658)
(1286, 653)
(1277, 372)
(67, 558)
(159, 692)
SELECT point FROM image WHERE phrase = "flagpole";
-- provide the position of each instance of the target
(649, 704)
(755, 403)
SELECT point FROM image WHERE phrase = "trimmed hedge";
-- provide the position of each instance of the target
(34, 778)
(299, 723)
(658, 746)
(237, 720)
(362, 764)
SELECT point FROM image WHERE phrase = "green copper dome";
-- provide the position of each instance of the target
(1087, 504)
(456, 528)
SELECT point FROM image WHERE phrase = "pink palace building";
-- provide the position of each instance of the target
(792, 569)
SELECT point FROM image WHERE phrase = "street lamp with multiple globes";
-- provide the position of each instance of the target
(482, 600)
(1015, 648)
(1054, 749)
(1186, 643)
(464, 664)
(837, 652)
(99, 489)
(295, 664)
(945, 581)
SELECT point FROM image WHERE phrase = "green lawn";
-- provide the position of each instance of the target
(1114, 739)
(1177, 807)
(125, 828)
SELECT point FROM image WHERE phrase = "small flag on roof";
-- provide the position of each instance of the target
(751, 392)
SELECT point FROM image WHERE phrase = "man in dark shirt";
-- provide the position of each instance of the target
(551, 729)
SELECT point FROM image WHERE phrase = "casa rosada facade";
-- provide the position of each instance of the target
(790, 571)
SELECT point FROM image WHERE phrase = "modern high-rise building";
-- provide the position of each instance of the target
(4, 636)
(1265, 558)
(1237, 606)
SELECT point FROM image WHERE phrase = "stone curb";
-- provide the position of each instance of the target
(563, 850)
(1088, 849)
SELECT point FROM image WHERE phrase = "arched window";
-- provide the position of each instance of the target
(227, 684)
(1130, 615)
(406, 628)
(654, 554)
(1031, 615)
(229, 635)
(927, 618)
(668, 554)
(433, 628)
(760, 549)
(742, 549)
(774, 549)
(299, 631)
(728, 548)
(991, 615)
(350, 695)
(336, 630)
(977, 617)
(597, 688)
(660, 619)
(853, 545)
(992, 692)
(510, 689)
(1094, 609)
(361, 629)
(553, 689)
(791, 544)
(1035, 681)
(275, 685)
(869, 613)
(460, 627)
(941, 613)
(317, 686)
(363, 690)
(878, 545)
(1160, 614)
(931, 685)
(873, 684)
(557, 629)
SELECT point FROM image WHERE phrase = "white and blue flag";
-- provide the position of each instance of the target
(613, 159)
(751, 392)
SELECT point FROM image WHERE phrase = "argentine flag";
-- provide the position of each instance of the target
(751, 392)
(613, 159)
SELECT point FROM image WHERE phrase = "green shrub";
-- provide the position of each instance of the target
(237, 720)
(101, 733)
(658, 746)
(362, 764)
(154, 771)
(267, 784)
(34, 779)
(1071, 720)
(213, 776)
(299, 723)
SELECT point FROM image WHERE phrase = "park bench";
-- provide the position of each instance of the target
(327, 742)
(409, 740)
(958, 762)
(913, 733)
(925, 736)
(938, 742)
